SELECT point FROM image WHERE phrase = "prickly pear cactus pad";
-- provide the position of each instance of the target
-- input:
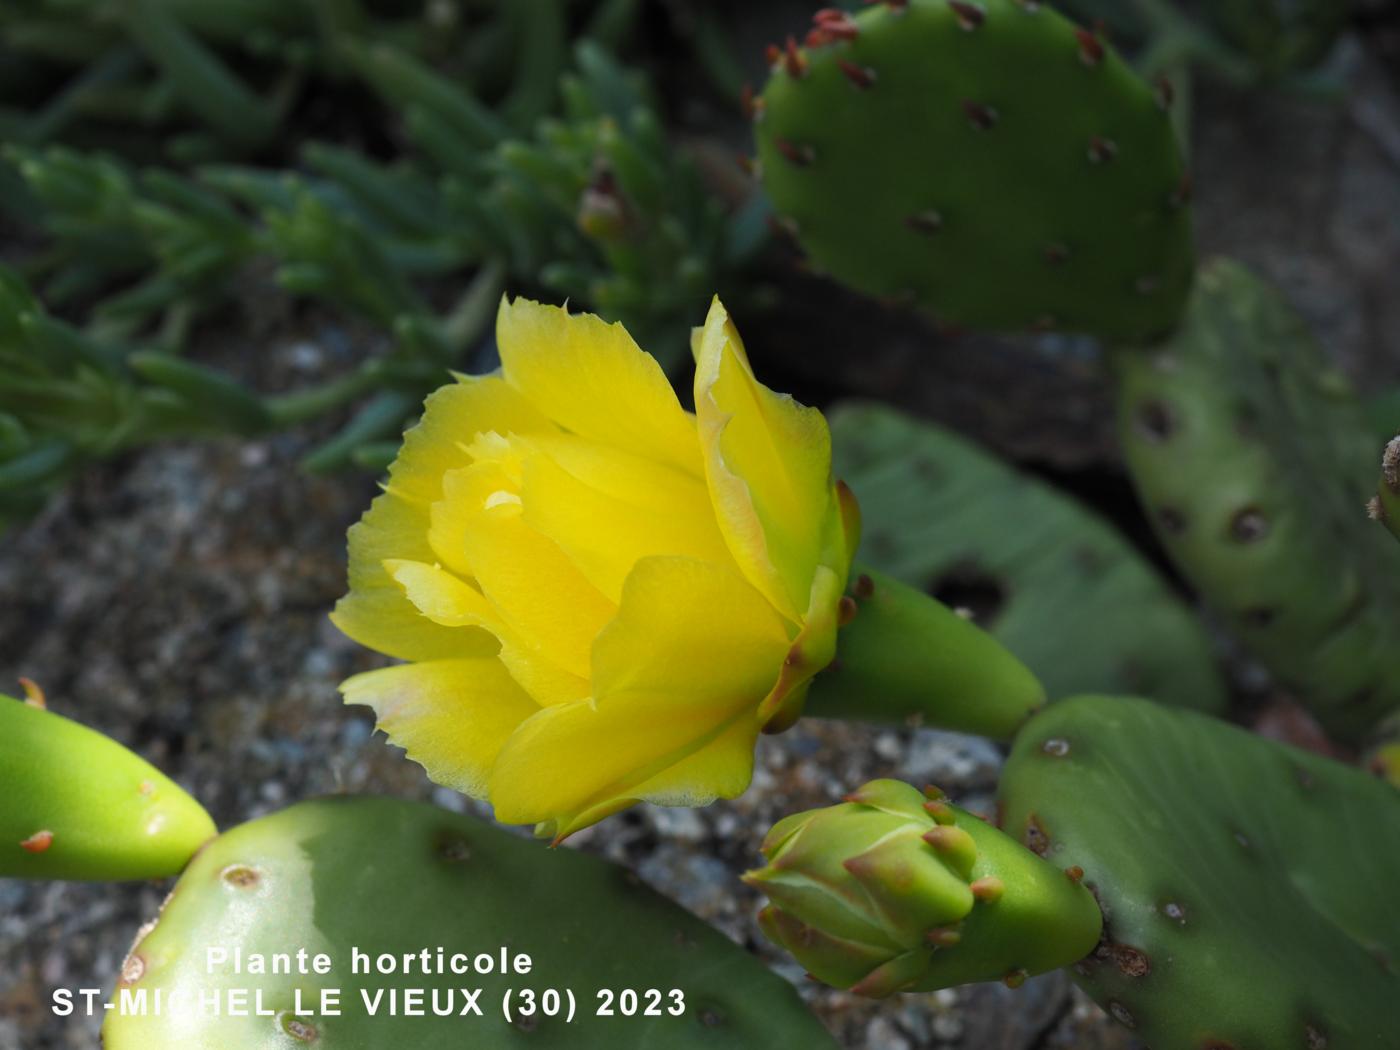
(1254, 460)
(388, 876)
(943, 515)
(1248, 888)
(78, 805)
(989, 160)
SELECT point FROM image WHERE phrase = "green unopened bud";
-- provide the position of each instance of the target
(893, 891)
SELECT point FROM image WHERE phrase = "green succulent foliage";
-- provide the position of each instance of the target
(67, 397)
(893, 891)
(78, 805)
(1279, 36)
(198, 80)
(1247, 887)
(1253, 458)
(989, 161)
(944, 516)
(389, 876)
(1385, 506)
(596, 205)
(902, 656)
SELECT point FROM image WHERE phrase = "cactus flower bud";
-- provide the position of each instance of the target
(604, 598)
(897, 891)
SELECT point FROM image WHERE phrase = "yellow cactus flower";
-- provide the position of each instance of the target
(604, 598)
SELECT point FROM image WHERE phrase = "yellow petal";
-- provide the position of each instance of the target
(768, 461)
(451, 716)
(442, 597)
(452, 416)
(450, 601)
(591, 378)
(545, 601)
(376, 611)
(605, 533)
(678, 676)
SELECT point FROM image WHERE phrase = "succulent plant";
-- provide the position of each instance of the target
(1247, 897)
(384, 876)
(896, 890)
(120, 818)
(1279, 36)
(944, 516)
(1252, 456)
(991, 161)
(1385, 505)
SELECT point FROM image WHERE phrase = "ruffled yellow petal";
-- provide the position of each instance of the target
(376, 611)
(679, 676)
(592, 379)
(445, 599)
(768, 462)
(606, 530)
(442, 597)
(534, 587)
(451, 716)
(452, 416)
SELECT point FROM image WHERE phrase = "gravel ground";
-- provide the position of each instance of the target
(177, 599)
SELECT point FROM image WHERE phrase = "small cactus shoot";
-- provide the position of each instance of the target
(78, 805)
(990, 161)
(895, 890)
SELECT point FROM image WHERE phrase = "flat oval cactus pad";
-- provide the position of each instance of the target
(1248, 888)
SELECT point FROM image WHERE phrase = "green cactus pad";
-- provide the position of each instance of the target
(1254, 459)
(1385, 507)
(388, 876)
(78, 805)
(896, 890)
(989, 160)
(1248, 888)
(943, 515)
